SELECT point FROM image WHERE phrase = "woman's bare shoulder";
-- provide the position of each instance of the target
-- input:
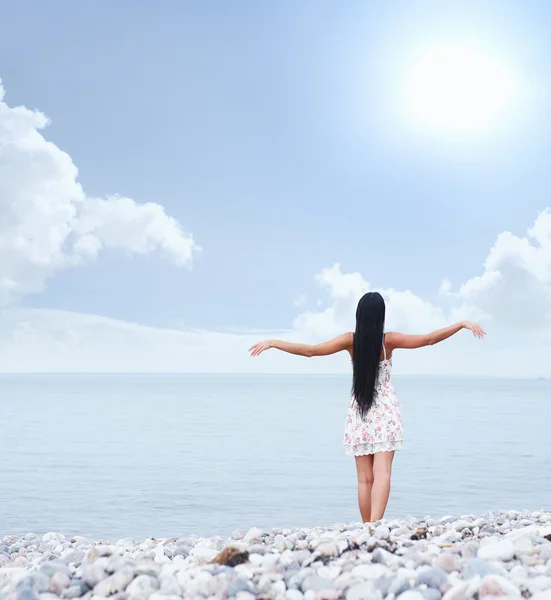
(391, 339)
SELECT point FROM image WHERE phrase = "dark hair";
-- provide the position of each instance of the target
(368, 342)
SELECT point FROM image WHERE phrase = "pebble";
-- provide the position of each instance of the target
(328, 549)
(399, 585)
(431, 594)
(448, 562)
(432, 578)
(58, 582)
(238, 596)
(369, 571)
(240, 585)
(363, 591)
(411, 595)
(114, 583)
(495, 585)
(503, 550)
(497, 555)
(461, 525)
(253, 534)
(315, 582)
(479, 567)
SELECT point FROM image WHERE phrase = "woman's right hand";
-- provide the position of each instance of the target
(476, 329)
(260, 347)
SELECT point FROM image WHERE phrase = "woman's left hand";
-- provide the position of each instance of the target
(260, 348)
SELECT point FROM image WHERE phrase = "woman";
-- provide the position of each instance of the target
(373, 430)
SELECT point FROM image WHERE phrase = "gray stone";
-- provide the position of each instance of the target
(73, 591)
(26, 593)
(431, 594)
(143, 583)
(148, 567)
(56, 538)
(170, 584)
(363, 591)
(301, 556)
(116, 563)
(411, 595)
(432, 578)
(384, 557)
(58, 582)
(54, 566)
(461, 525)
(383, 585)
(239, 585)
(370, 571)
(293, 578)
(503, 550)
(315, 583)
(114, 583)
(39, 581)
(74, 556)
(479, 567)
(399, 585)
(95, 572)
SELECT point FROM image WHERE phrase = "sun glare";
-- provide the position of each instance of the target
(458, 88)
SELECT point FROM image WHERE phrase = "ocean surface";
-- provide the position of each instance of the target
(111, 456)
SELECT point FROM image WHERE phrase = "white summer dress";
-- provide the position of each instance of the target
(381, 429)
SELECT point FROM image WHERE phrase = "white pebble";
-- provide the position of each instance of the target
(503, 550)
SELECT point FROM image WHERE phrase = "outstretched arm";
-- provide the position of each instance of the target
(403, 340)
(342, 342)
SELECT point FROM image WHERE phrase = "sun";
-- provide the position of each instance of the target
(458, 88)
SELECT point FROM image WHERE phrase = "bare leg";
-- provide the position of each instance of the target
(364, 468)
(382, 469)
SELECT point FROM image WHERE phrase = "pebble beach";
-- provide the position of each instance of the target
(496, 555)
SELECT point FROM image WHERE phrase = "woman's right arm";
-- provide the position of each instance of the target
(342, 342)
(403, 340)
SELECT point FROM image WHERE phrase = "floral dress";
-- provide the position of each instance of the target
(381, 429)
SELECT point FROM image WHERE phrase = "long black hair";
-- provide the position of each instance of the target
(368, 342)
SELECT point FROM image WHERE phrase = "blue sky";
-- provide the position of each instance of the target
(267, 130)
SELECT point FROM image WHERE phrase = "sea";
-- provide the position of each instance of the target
(114, 456)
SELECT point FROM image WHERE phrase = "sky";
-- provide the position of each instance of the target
(181, 179)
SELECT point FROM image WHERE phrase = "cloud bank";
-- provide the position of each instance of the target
(48, 223)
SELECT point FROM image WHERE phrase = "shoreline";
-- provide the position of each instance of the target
(505, 554)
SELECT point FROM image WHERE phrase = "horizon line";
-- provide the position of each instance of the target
(267, 374)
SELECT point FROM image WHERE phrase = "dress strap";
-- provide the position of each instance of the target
(384, 349)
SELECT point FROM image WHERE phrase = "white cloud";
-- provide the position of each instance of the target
(511, 297)
(48, 223)
(405, 310)
(39, 340)
(516, 317)
(514, 291)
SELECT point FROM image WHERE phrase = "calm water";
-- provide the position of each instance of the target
(137, 455)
